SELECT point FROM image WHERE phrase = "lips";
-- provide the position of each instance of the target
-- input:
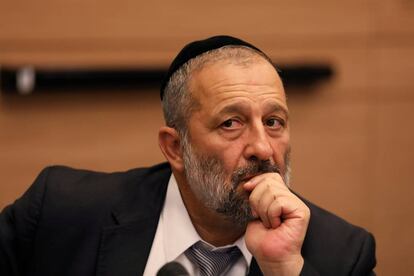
(239, 182)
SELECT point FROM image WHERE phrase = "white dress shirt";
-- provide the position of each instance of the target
(176, 233)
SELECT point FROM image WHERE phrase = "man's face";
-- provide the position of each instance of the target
(240, 130)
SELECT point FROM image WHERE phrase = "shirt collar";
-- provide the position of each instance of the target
(179, 239)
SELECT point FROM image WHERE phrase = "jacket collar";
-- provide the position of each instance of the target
(125, 246)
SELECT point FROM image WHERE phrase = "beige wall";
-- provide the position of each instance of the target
(352, 137)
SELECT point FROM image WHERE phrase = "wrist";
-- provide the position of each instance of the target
(287, 268)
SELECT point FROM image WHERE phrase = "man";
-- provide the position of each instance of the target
(221, 206)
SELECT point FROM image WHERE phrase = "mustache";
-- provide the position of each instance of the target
(253, 168)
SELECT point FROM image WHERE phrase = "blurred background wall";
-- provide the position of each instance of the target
(352, 135)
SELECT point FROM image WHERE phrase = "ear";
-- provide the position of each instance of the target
(169, 142)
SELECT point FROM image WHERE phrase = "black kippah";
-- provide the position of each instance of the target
(199, 47)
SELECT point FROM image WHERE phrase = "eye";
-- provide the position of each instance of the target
(275, 123)
(231, 124)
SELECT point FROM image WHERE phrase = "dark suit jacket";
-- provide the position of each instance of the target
(77, 222)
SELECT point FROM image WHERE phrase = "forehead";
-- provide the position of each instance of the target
(222, 83)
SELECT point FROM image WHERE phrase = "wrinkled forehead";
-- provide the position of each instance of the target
(222, 79)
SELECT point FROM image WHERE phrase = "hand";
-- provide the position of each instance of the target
(276, 238)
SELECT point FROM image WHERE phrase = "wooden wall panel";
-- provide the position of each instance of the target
(114, 131)
(350, 65)
(352, 136)
(51, 33)
(394, 67)
(394, 18)
(321, 130)
(392, 191)
(155, 19)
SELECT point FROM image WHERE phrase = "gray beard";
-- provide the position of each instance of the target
(207, 179)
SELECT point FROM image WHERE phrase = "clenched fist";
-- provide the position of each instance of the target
(275, 239)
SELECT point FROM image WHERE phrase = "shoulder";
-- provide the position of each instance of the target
(67, 184)
(62, 178)
(68, 208)
(67, 175)
(66, 195)
(334, 245)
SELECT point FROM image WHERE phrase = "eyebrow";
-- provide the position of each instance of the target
(275, 107)
(234, 108)
(243, 107)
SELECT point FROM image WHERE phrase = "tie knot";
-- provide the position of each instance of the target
(212, 262)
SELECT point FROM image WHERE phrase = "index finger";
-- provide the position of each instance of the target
(254, 181)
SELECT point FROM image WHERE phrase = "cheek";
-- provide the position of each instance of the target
(281, 147)
(231, 155)
(231, 158)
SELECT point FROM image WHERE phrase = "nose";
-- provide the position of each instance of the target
(258, 145)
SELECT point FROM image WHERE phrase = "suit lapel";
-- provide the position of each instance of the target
(125, 246)
(125, 249)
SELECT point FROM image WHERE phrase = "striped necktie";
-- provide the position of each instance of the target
(212, 262)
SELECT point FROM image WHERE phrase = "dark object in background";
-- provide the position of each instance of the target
(26, 80)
